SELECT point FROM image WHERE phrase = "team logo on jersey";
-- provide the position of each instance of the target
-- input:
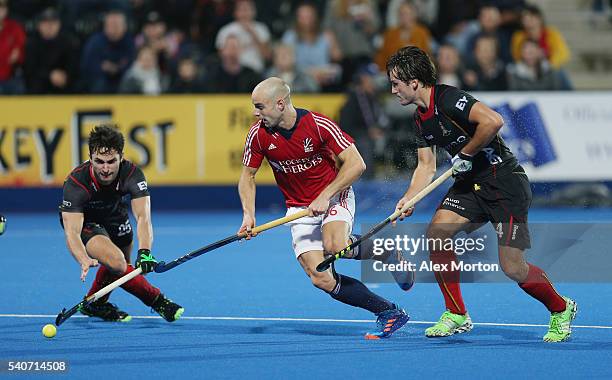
(142, 185)
(445, 131)
(308, 145)
(429, 137)
(272, 146)
(461, 103)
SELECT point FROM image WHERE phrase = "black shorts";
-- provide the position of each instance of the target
(119, 230)
(504, 201)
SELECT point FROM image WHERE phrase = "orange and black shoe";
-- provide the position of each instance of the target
(106, 311)
(389, 321)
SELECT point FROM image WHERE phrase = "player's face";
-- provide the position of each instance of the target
(106, 165)
(405, 92)
(266, 111)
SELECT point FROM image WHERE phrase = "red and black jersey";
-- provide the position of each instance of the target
(99, 203)
(301, 158)
(446, 124)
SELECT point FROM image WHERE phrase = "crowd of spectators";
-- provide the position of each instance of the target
(153, 47)
(224, 46)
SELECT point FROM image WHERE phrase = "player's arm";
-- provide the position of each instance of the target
(488, 123)
(246, 190)
(141, 207)
(73, 224)
(422, 176)
(351, 168)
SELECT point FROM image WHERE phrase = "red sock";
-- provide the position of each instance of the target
(449, 281)
(103, 278)
(539, 287)
(140, 287)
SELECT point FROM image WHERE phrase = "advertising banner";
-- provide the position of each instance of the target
(176, 140)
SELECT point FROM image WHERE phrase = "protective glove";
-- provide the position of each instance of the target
(462, 163)
(146, 261)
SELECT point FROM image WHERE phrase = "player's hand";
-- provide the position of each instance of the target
(85, 265)
(248, 223)
(146, 261)
(319, 206)
(462, 163)
(400, 205)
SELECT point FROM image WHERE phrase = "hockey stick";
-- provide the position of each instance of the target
(65, 314)
(325, 264)
(163, 267)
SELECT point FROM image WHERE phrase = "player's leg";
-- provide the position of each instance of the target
(149, 294)
(307, 242)
(342, 208)
(444, 226)
(510, 212)
(99, 246)
(342, 288)
(353, 292)
(535, 282)
(365, 251)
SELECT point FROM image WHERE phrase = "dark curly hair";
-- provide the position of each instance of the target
(105, 138)
(409, 63)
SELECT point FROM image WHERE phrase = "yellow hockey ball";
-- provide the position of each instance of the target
(49, 331)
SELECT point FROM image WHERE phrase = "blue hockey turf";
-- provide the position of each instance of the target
(252, 313)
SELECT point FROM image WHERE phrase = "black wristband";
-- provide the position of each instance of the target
(464, 156)
(144, 251)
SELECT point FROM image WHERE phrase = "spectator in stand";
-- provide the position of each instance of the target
(254, 37)
(489, 24)
(548, 37)
(488, 72)
(107, 55)
(426, 9)
(50, 57)
(456, 21)
(166, 44)
(533, 72)
(284, 67)
(226, 74)
(208, 16)
(363, 116)
(188, 79)
(449, 66)
(316, 51)
(355, 24)
(408, 32)
(12, 44)
(144, 76)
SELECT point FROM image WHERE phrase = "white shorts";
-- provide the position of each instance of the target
(306, 232)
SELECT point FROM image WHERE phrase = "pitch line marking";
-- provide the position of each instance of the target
(330, 320)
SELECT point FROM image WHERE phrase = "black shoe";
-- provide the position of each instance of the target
(105, 310)
(169, 310)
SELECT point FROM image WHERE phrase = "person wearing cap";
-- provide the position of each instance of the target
(50, 57)
(12, 43)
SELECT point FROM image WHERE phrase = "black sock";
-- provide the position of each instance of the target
(352, 292)
(365, 250)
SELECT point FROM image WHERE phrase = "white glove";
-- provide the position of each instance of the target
(462, 163)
